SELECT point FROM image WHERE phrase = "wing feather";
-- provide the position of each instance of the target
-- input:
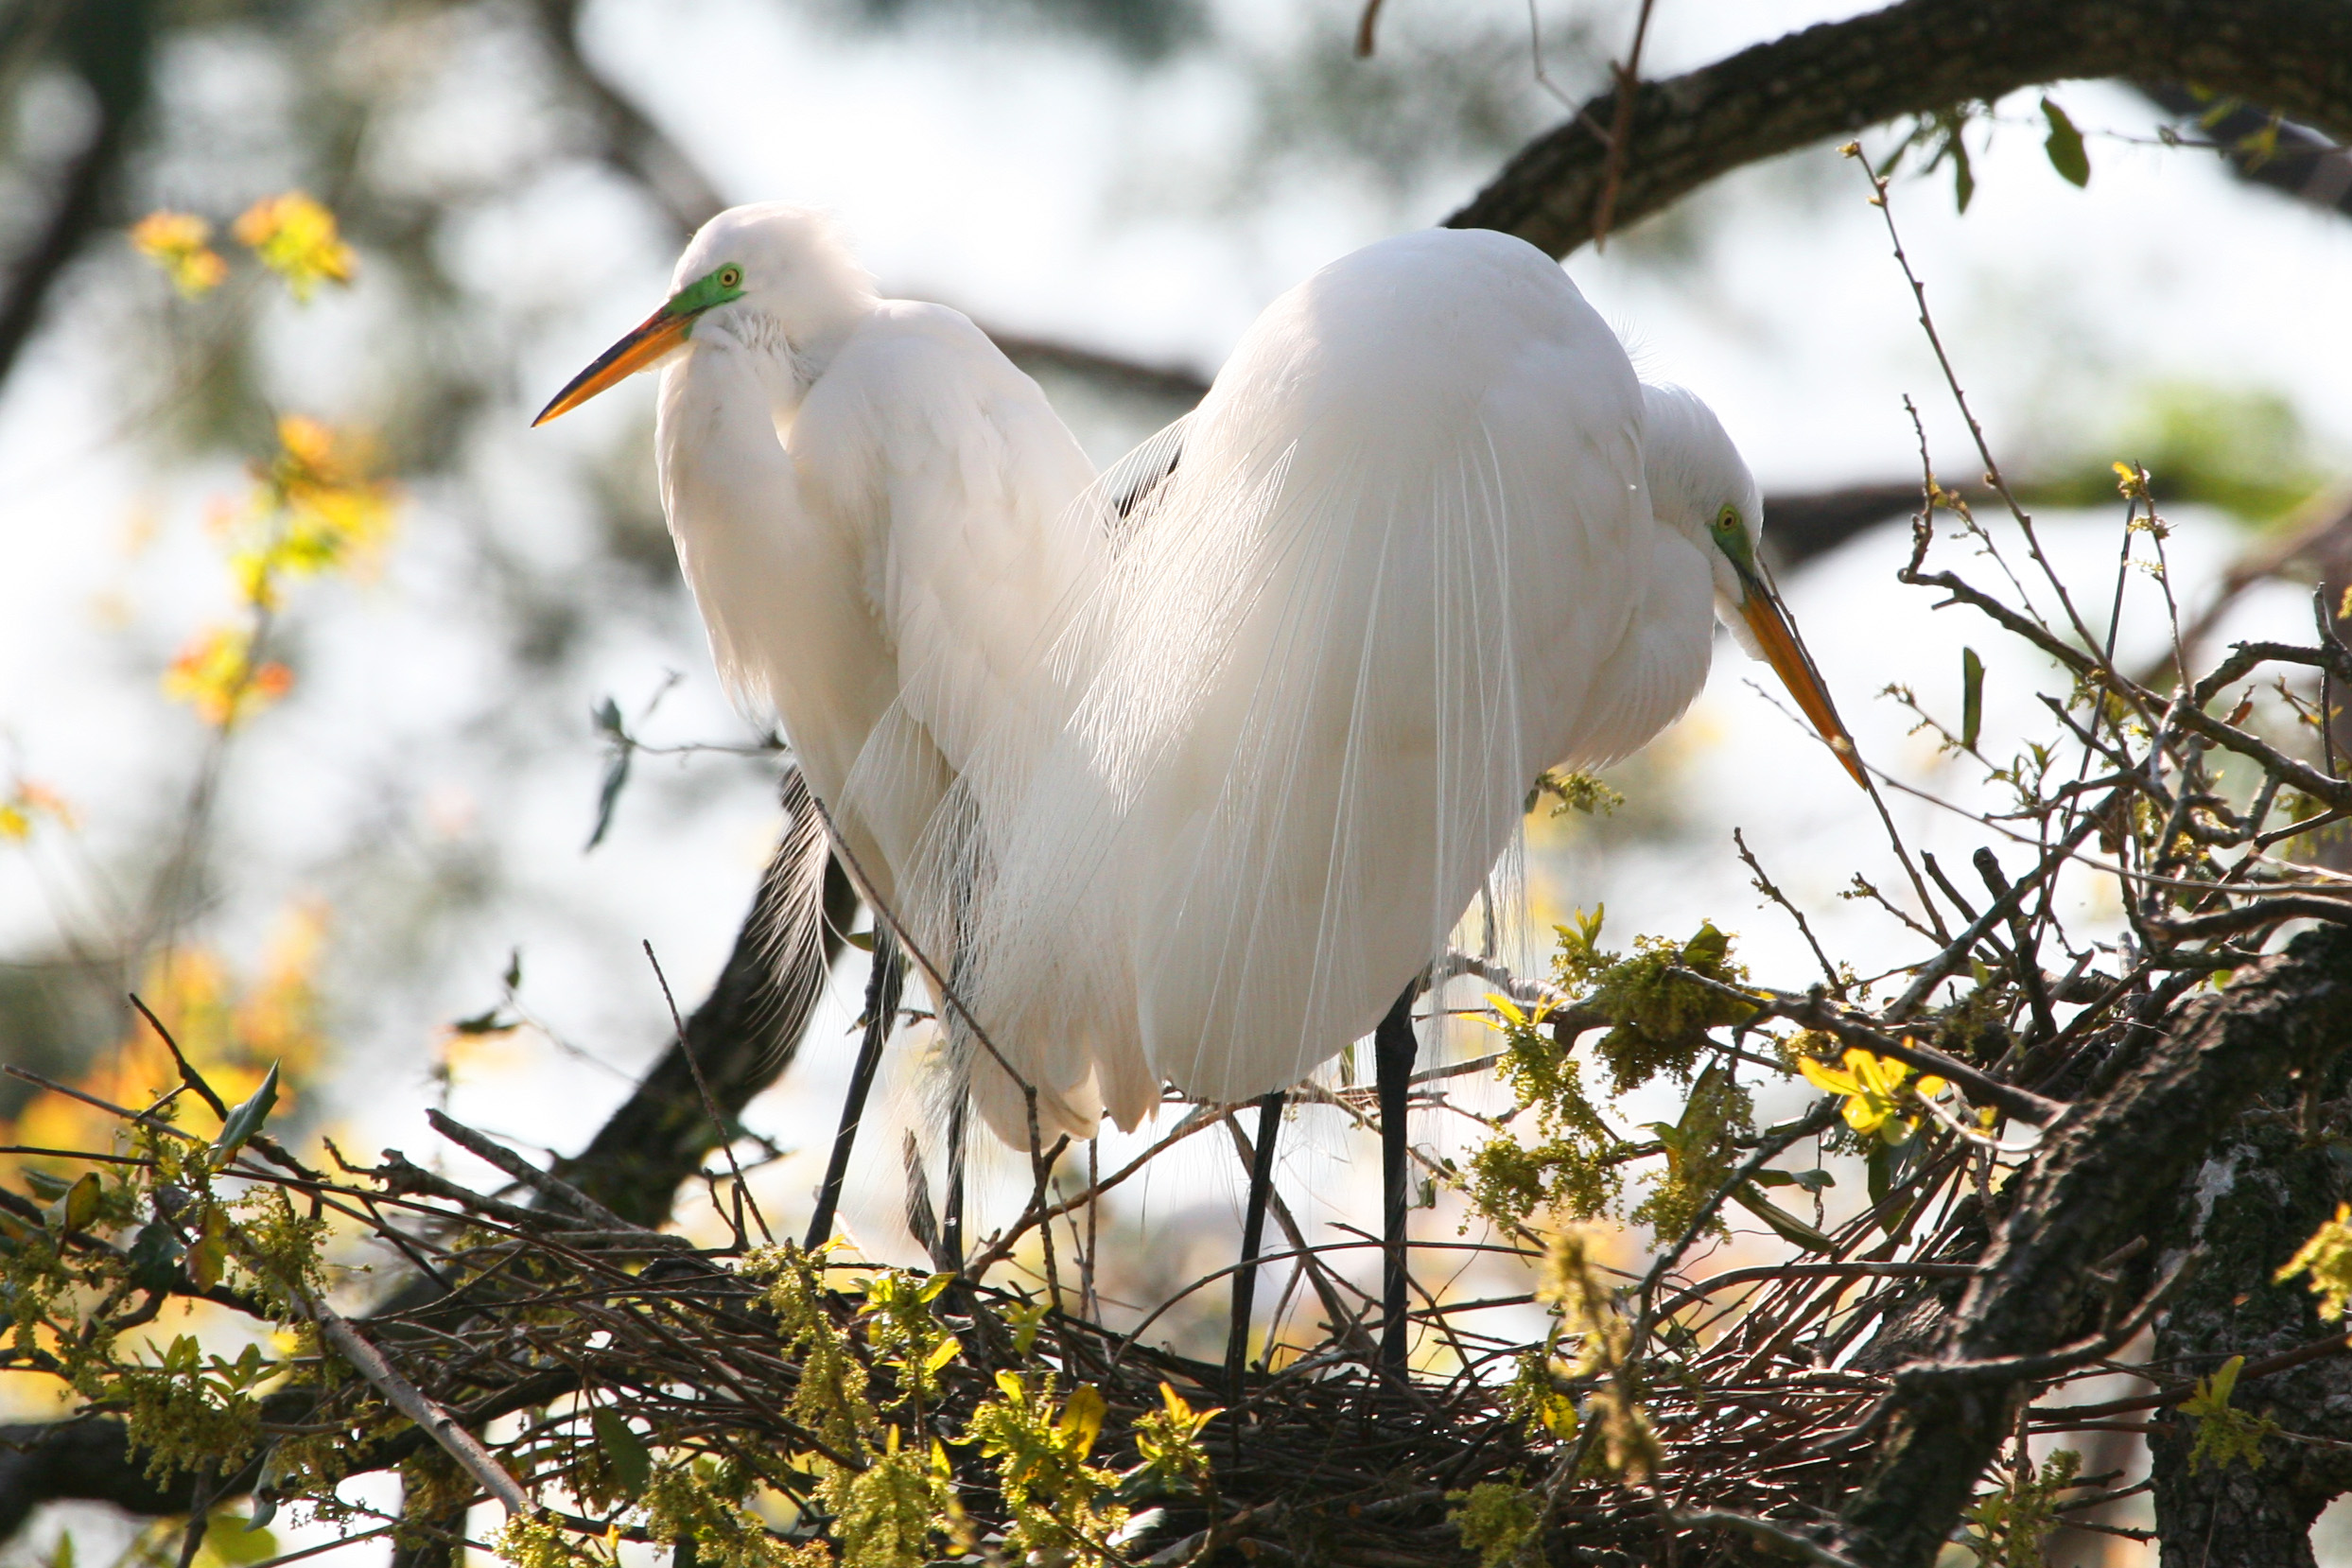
(1388, 571)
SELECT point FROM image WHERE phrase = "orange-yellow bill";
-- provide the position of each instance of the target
(1765, 618)
(657, 336)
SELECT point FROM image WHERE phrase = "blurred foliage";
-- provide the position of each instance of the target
(2243, 450)
(1449, 92)
(312, 508)
(233, 1028)
(1586, 1350)
(1145, 31)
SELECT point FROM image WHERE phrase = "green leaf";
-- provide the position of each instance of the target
(607, 798)
(1024, 1320)
(862, 940)
(1972, 697)
(633, 1466)
(246, 1119)
(1785, 1224)
(1707, 948)
(1082, 1419)
(2065, 146)
(1963, 176)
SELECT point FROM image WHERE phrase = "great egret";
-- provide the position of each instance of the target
(874, 510)
(1426, 535)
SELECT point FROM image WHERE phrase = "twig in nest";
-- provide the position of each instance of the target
(710, 1107)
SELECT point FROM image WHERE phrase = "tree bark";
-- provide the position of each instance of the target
(742, 1036)
(109, 44)
(2104, 1176)
(1839, 78)
(2248, 1206)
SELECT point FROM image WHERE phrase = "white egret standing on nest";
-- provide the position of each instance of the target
(1427, 536)
(1196, 779)
(874, 510)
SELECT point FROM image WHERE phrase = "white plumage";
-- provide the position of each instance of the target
(1184, 775)
(1405, 555)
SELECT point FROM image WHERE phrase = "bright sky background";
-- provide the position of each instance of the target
(1041, 187)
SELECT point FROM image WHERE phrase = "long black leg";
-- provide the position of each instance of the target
(1253, 1231)
(951, 1213)
(1393, 1050)
(882, 986)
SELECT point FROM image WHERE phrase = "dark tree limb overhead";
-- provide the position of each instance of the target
(109, 45)
(2290, 56)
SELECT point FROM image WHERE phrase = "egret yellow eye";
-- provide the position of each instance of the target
(730, 277)
(1727, 520)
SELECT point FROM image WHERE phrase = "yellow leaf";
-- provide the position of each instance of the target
(180, 244)
(296, 238)
(210, 1253)
(1872, 1089)
(216, 674)
(1082, 1418)
(26, 803)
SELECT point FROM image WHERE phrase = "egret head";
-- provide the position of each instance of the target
(770, 277)
(1699, 486)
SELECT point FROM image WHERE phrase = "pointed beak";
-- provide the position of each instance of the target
(1765, 616)
(664, 330)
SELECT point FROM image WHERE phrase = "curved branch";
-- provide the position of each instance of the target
(109, 43)
(2292, 56)
(633, 142)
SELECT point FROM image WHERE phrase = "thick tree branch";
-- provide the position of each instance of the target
(744, 1036)
(2290, 56)
(83, 1460)
(2103, 1178)
(108, 41)
(2257, 1195)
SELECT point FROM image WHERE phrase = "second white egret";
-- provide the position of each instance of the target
(1427, 536)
